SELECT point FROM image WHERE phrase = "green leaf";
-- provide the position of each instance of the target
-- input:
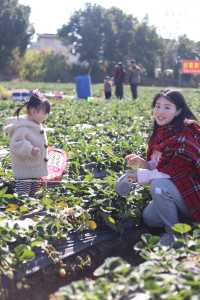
(24, 252)
(111, 220)
(37, 243)
(182, 228)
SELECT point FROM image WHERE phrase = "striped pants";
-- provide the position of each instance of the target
(27, 186)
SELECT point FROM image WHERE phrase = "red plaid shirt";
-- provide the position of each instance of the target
(181, 160)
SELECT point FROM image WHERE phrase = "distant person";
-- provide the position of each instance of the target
(108, 87)
(119, 76)
(134, 78)
(28, 144)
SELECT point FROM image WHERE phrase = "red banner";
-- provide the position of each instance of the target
(190, 66)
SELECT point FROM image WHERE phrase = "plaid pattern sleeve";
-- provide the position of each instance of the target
(181, 160)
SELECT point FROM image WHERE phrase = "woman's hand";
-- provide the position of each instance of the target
(136, 161)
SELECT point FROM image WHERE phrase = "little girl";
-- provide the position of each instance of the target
(107, 87)
(28, 144)
(172, 167)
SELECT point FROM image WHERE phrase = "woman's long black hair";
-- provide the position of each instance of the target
(36, 101)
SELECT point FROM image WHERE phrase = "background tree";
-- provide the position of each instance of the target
(147, 47)
(32, 67)
(85, 32)
(15, 30)
(100, 36)
(186, 49)
(44, 66)
(119, 33)
(55, 68)
(168, 56)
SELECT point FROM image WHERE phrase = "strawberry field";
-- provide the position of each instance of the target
(96, 135)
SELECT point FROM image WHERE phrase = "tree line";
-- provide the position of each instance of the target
(99, 37)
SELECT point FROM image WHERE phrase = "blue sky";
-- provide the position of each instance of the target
(172, 18)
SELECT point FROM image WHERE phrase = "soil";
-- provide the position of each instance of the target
(40, 285)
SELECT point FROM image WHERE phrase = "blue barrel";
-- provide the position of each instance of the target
(83, 86)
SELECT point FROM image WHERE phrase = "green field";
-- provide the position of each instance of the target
(97, 135)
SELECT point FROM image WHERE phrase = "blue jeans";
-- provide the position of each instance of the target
(166, 202)
(134, 92)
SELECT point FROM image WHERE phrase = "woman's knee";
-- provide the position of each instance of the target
(157, 186)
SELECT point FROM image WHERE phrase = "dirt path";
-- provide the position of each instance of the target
(40, 285)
